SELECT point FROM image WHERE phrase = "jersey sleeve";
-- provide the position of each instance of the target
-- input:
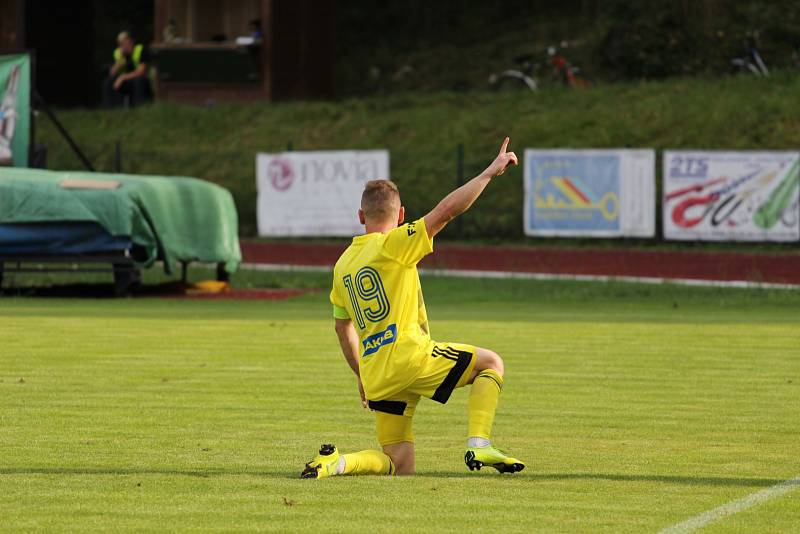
(409, 243)
(339, 310)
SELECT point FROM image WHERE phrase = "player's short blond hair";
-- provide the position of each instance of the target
(380, 200)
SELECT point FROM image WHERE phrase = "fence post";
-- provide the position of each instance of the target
(289, 146)
(459, 183)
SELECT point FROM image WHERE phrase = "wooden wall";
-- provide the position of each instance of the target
(12, 24)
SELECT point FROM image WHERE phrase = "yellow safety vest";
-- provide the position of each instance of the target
(136, 56)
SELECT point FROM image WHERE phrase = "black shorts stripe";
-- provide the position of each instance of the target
(447, 352)
(436, 353)
(484, 374)
(388, 406)
(445, 389)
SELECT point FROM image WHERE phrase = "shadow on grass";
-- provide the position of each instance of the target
(667, 479)
(122, 471)
(528, 476)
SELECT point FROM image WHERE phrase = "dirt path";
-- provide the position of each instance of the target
(686, 265)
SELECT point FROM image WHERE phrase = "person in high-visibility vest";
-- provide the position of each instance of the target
(128, 75)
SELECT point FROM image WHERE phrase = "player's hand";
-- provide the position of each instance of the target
(502, 161)
(118, 82)
(361, 392)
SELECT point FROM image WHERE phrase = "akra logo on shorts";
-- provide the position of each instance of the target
(376, 341)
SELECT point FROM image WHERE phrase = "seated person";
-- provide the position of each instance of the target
(128, 75)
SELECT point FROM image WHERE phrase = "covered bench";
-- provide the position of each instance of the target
(127, 221)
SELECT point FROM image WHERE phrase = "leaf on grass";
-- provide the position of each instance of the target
(289, 502)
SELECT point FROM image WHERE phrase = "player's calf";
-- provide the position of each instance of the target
(487, 382)
(402, 455)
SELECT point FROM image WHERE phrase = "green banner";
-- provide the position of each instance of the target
(15, 109)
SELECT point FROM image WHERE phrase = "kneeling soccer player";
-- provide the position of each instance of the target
(382, 327)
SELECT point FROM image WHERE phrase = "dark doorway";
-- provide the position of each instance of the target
(62, 34)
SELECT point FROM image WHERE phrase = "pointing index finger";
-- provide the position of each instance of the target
(505, 145)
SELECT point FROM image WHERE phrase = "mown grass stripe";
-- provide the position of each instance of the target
(734, 507)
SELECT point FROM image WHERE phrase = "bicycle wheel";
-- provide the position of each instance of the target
(579, 80)
(513, 82)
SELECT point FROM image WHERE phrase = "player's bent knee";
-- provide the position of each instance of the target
(402, 456)
(488, 359)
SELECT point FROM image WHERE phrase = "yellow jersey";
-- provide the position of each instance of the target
(376, 285)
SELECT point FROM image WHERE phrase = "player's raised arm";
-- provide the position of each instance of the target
(462, 198)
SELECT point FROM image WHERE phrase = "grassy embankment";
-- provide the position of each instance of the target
(422, 131)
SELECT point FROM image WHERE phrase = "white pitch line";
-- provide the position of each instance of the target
(465, 273)
(733, 507)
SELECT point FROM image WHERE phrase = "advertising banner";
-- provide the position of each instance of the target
(315, 193)
(590, 193)
(731, 196)
(15, 109)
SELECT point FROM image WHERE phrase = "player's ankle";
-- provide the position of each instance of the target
(339, 466)
(477, 441)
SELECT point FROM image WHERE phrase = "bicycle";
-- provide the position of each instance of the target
(570, 75)
(752, 61)
(523, 76)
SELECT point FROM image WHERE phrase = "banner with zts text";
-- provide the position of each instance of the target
(731, 196)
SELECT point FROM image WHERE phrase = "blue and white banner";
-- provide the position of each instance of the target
(731, 196)
(590, 193)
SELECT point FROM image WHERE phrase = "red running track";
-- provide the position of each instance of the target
(716, 266)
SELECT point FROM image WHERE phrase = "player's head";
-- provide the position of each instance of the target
(380, 204)
(125, 42)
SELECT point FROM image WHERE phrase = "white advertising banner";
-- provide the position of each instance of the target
(590, 193)
(731, 196)
(315, 193)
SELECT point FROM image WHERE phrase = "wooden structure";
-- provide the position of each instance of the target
(211, 50)
(12, 24)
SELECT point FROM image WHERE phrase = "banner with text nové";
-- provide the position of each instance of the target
(731, 196)
(590, 193)
(315, 193)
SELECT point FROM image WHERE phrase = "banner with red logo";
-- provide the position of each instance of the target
(315, 193)
(731, 196)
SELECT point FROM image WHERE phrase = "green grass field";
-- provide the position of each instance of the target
(635, 406)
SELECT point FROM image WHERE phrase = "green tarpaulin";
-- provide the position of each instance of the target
(172, 218)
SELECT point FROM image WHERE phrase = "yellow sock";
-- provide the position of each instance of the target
(368, 463)
(483, 403)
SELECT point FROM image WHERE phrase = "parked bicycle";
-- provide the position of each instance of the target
(752, 61)
(570, 75)
(523, 76)
(520, 77)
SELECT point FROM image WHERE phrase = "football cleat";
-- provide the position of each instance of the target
(324, 464)
(477, 457)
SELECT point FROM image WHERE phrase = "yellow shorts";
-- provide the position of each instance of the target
(449, 366)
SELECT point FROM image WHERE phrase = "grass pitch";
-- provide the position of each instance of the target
(635, 406)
